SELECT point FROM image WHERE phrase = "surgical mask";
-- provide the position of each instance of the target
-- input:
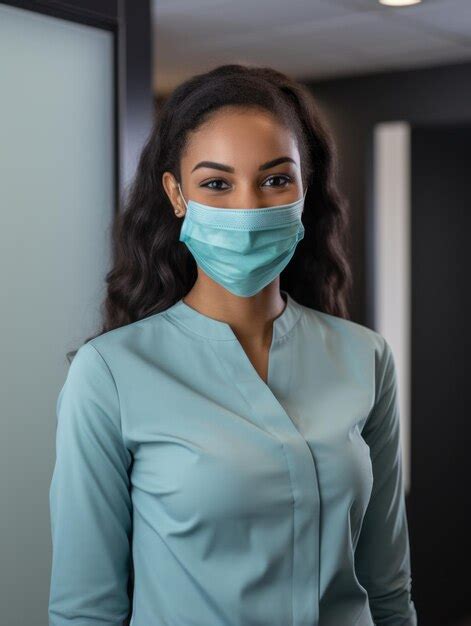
(242, 249)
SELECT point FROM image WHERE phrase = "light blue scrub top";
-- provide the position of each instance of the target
(237, 503)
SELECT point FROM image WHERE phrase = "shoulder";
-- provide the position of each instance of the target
(363, 352)
(121, 357)
(342, 332)
(91, 369)
(130, 335)
(354, 347)
(88, 381)
(117, 346)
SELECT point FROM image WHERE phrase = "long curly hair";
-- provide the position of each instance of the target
(152, 269)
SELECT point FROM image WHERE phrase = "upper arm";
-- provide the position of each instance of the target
(382, 556)
(90, 505)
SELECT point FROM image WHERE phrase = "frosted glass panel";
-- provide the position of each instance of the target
(56, 207)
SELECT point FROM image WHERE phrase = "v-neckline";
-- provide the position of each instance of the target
(218, 330)
(211, 328)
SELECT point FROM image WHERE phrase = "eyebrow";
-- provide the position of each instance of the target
(228, 168)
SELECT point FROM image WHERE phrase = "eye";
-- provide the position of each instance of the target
(214, 180)
(286, 179)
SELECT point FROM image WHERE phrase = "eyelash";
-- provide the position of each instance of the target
(287, 178)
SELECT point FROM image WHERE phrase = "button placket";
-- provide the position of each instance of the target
(268, 412)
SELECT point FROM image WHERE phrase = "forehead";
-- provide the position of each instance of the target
(236, 136)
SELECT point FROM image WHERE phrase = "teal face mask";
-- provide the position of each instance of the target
(242, 249)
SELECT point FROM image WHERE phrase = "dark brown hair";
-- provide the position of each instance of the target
(152, 269)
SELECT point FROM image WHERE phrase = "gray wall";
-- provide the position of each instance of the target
(352, 106)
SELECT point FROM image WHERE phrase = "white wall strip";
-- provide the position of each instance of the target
(391, 247)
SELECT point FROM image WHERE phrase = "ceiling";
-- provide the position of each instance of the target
(308, 39)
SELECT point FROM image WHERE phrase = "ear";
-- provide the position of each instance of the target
(170, 184)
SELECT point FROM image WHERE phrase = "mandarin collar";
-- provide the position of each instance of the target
(211, 328)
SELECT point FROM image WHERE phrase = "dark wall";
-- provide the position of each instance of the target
(441, 343)
(351, 107)
(137, 76)
(437, 104)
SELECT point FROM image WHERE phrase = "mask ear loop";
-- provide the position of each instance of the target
(182, 195)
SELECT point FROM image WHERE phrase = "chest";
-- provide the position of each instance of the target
(211, 438)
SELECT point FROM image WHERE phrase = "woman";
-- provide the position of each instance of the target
(229, 443)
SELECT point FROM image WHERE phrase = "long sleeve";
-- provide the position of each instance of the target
(382, 557)
(90, 506)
